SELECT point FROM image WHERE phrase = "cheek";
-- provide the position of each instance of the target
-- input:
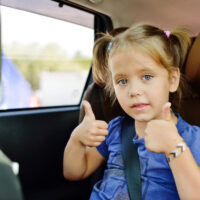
(122, 102)
(117, 92)
(159, 95)
(121, 97)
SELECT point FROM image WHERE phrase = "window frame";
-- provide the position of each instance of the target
(102, 23)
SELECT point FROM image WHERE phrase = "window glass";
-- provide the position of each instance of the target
(45, 61)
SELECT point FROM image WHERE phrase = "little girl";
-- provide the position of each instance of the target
(144, 65)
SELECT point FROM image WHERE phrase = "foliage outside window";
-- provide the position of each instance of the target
(52, 56)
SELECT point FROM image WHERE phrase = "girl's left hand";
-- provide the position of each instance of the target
(161, 136)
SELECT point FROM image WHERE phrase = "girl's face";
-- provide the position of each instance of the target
(141, 85)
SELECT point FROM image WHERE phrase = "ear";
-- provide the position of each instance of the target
(174, 80)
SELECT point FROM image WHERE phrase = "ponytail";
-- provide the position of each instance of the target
(100, 60)
(180, 43)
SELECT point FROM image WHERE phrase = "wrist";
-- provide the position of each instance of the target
(75, 137)
(172, 145)
(180, 148)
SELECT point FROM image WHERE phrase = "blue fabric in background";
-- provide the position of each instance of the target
(16, 90)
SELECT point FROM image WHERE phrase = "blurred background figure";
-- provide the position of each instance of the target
(15, 90)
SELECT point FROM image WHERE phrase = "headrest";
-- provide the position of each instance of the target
(192, 68)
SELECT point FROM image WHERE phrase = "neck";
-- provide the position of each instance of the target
(140, 126)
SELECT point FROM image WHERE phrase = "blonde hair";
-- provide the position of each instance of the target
(100, 60)
(100, 69)
(169, 51)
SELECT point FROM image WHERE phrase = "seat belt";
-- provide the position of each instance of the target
(131, 159)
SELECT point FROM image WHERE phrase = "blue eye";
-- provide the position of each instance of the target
(147, 77)
(122, 82)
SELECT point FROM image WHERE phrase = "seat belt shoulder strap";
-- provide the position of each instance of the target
(131, 159)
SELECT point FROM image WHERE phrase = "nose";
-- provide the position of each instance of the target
(134, 89)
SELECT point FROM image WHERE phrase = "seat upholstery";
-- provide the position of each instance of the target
(10, 187)
(190, 103)
(101, 105)
(192, 68)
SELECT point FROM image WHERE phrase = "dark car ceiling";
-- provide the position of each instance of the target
(166, 14)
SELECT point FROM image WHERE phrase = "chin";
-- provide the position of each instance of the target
(142, 117)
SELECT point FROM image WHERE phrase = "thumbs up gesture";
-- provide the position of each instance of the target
(161, 136)
(90, 132)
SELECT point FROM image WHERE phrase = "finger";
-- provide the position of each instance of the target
(88, 109)
(101, 124)
(100, 132)
(95, 141)
(98, 138)
(166, 111)
(95, 144)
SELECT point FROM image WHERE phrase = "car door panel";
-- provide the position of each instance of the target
(37, 141)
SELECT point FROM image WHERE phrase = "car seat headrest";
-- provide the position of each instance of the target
(192, 67)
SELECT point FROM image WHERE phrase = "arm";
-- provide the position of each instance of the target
(186, 173)
(185, 170)
(81, 157)
(80, 161)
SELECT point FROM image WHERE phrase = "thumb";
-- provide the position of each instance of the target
(88, 109)
(166, 111)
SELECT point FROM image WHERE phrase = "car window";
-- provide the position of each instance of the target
(45, 59)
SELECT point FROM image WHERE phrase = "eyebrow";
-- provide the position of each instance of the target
(146, 70)
(119, 75)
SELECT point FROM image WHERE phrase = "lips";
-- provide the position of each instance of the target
(139, 106)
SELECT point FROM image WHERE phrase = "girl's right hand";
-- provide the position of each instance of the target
(90, 132)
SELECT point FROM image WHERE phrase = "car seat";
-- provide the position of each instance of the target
(101, 104)
(190, 103)
(10, 187)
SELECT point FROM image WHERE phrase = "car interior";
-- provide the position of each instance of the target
(35, 138)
